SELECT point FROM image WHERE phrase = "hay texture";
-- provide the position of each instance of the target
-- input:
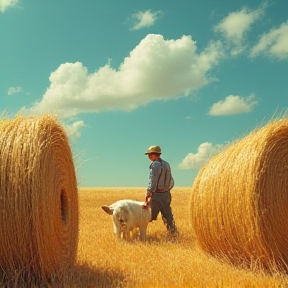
(239, 201)
(38, 198)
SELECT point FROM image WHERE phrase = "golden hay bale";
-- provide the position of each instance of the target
(239, 200)
(38, 198)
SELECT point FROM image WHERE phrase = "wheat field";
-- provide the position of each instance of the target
(161, 261)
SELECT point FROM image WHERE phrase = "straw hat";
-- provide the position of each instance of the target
(153, 149)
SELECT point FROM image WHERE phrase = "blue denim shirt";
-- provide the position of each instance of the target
(160, 177)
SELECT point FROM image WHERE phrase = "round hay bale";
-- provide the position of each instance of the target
(38, 199)
(239, 200)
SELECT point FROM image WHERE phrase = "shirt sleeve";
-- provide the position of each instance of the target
(155, 171)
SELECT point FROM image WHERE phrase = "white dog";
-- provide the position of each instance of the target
(127, 215)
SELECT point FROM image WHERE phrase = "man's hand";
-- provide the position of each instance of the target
(145, 206)
(147, 200)
(148, 194)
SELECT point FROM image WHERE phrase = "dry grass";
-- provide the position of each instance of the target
(239, 206)
(39, 221)
(161, 261)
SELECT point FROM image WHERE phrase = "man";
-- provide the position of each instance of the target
(158, 192)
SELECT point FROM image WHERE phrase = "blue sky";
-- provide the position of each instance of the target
(189, 76)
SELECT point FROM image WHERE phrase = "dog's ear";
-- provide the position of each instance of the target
(107, 209)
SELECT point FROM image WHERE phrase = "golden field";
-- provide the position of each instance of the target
(161, 261)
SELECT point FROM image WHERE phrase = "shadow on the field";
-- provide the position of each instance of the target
(89, 277)
(184, 240)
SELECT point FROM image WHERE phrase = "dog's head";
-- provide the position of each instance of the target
(120, 215)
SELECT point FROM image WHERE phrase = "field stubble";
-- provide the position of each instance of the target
(161, 261)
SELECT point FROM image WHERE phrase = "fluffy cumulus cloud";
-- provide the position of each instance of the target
(233, 104)
(156, 69)
(5, 4)
(73, 130)
(14, 90)
(196, 161)
(235, 26)
(274, 43)
(145, 19)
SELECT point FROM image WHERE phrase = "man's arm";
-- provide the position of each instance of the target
(155, 171)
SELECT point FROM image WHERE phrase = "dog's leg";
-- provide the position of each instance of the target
(143, 233)
(118, 233)
(126, 235)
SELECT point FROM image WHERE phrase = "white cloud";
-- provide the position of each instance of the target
(233, 105)
(73, 130)
(145, 19)
(156, 69)
(5, 4)
(14, 90)
(196, 161)
(235, 26)
(274, 43)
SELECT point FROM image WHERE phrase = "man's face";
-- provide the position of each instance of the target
(153, 156)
